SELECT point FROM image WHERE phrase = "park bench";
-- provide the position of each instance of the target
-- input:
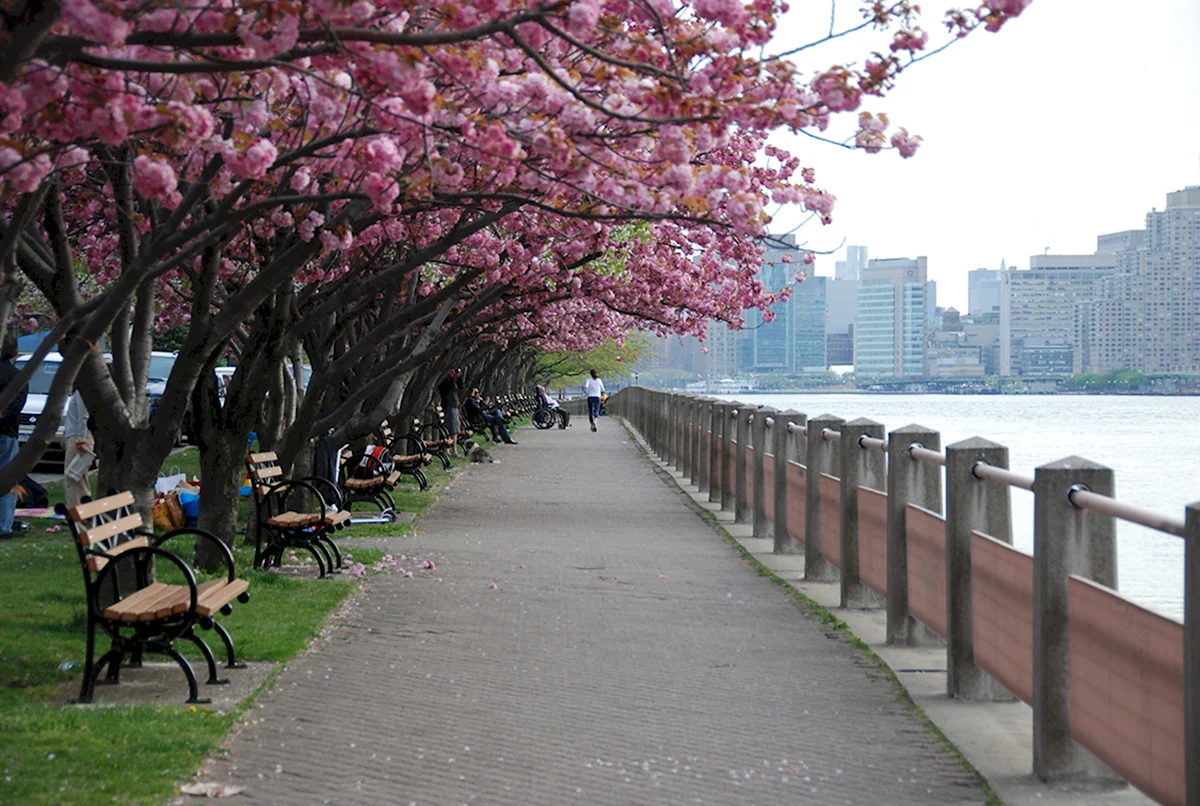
(128, 601)
(435, 438)
(293, 514)
(370, 475)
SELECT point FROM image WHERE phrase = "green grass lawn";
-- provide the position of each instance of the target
(63, 754)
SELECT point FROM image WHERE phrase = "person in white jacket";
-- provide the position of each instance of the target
(593, 387)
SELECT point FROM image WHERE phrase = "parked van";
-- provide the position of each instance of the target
(161, 364)
(35, 406)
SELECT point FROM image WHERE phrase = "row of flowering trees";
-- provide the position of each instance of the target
(384, 189)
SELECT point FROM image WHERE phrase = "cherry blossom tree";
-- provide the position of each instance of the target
(364, 180)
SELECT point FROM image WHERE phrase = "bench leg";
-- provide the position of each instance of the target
(228, 641)
(173, 653)
(92, 672)
(114, 665)
(317, 555)
(330, 546)
(213, 677)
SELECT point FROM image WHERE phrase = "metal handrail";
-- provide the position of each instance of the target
(982, 470)
(830, 435)
(769, 422)
(794, 427)
(1084, 498)
(921, 453)
(869, 443)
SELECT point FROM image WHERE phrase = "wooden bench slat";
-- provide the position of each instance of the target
(106, 531)
(334, 518)
(219, 595)
(267, 456)
(91, 509)
(393, 477)
(261, 473)
(145, 604)
(95, 564)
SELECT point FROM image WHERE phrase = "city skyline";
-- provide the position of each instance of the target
(1023, 149)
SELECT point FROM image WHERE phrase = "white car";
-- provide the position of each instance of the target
(35, 405)
(39, 388)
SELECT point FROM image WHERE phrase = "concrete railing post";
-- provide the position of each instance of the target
(781, 445)
(758, 438)
(909, 481)
(714, 452)
(971, 504)
(822, 456)
(1066, 540)
(741, 497)
(860, 468)
(671, 417)
(651, 432)
(1191, 653)
(693, 469)
(728, 434)
(681, 404)
(689, 446)
(664, 426)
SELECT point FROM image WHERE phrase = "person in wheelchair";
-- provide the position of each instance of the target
(547, 402)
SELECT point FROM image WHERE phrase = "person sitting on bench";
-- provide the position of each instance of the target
(480, 411)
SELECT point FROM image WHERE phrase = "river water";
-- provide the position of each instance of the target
(1149, 442)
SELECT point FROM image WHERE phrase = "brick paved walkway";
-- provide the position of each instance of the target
(625, 656)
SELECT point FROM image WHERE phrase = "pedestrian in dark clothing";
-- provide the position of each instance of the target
(9, 424)
(448, 391)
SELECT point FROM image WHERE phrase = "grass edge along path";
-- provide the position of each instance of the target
(810, 607)
(136, 754)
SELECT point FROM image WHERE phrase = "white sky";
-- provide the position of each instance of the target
(1075, 120)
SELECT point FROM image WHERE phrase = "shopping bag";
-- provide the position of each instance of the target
(168, 512)
(166, 484)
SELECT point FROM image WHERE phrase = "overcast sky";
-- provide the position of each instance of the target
(1075, 120)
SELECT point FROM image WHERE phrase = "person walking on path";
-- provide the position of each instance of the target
(593, 387)
(79, 444)
(448, 390)
(9, 424)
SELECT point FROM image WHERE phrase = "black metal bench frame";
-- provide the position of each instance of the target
(117, 558)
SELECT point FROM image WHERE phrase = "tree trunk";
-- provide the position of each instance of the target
(222, 470)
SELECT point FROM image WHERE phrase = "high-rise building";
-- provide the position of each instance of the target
(983, 291)
(808, 325)
(1116, 243)
(841, 298)
(773, 347)
(891, 319)
(722, 351)
(852, 267)
(1148, 317)
(1038, 309)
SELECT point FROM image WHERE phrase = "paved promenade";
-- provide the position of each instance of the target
(585, 638)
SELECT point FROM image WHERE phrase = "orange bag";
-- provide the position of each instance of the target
(168, 512)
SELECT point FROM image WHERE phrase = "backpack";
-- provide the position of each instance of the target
(376, 461)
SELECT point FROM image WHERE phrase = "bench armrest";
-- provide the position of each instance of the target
(226, 554)
(284, 486)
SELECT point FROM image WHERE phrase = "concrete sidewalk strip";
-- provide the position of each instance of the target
(590, 639)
